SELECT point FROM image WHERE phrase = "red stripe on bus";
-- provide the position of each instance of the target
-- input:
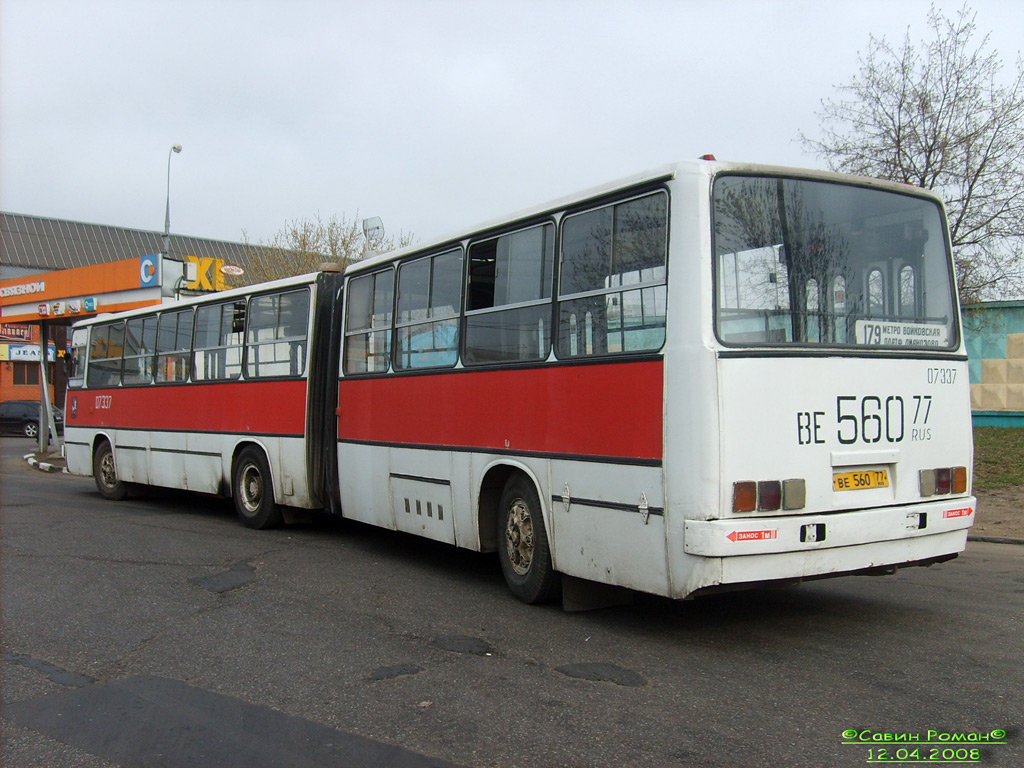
(606, 410)
(259, 407)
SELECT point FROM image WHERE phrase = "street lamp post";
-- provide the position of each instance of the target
(167, 215)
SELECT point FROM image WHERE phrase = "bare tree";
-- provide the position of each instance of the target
(938, 115)
(302, 245)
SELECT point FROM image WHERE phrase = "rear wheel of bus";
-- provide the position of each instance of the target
(253, 490)
(523, 543)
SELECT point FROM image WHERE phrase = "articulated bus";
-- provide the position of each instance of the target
(179, 395)
(705, 377)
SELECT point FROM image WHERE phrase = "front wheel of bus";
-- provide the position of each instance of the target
(523, 544)
(254, 491)
(104, 471)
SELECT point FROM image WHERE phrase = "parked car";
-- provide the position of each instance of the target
(22, 417)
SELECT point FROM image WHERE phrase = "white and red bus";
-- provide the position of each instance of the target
(708, 376)
(211, 394)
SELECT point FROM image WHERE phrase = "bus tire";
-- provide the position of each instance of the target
(523, 547)
(104, 472)
(253, 490)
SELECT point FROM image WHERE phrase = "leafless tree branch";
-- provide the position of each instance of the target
(302, 245)
(941, 115)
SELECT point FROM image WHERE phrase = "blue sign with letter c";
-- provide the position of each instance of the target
(149, 275)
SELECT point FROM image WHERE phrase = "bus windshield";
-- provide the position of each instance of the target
(809, 262)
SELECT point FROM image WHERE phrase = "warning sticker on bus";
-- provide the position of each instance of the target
(859, 481)
(888, 334)
(965, 512)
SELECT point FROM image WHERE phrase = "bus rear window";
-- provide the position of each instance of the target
(806, 262)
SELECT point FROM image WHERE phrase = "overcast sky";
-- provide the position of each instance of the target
(432, 114)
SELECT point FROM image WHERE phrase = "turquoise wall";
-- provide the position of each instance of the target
(985, 329)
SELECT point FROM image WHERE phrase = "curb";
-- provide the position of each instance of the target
(996, 539)
(43, 466)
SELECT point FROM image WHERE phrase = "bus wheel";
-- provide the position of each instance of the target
(254, 490)
(105, 473)
(523, 544)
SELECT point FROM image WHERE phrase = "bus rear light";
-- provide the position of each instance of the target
(943, 481)
(744, 496)
(959, 479)
(769, 495)
(794, 493)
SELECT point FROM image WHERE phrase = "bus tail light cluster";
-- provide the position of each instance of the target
(939, 482)
(768, 495)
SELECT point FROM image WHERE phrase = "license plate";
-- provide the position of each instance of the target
(860, 481)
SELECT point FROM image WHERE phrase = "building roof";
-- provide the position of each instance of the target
(37, 244)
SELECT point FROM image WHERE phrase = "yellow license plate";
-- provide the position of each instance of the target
(862, 480)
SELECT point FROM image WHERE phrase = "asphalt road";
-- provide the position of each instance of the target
(160, 632)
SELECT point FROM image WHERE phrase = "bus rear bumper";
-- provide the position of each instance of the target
(740, 551)
(736, 537)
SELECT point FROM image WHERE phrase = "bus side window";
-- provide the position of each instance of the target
(139, 347)
(79, 352)
(105, 350)
(508, 311)
(613, 271)
(218, 341)
(368, 322)
(429, 300)
(174, 346)
(277, 335)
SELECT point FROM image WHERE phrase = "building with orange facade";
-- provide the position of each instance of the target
(54, 272)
